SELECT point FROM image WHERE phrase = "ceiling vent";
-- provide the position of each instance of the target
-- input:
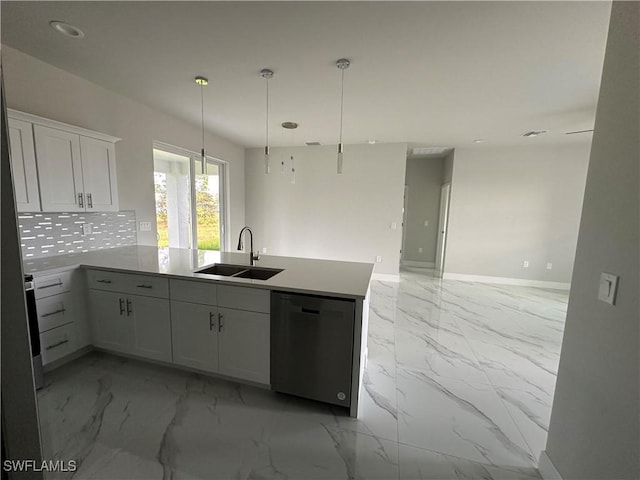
(312, 144)
(429, 150)
(534, 133)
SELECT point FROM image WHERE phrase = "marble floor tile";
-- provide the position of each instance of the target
(420, 464)
(466, 420)
(459, 384)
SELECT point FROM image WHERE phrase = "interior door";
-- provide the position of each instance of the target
(443, 221)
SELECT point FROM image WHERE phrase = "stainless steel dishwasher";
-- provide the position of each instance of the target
(312, 346)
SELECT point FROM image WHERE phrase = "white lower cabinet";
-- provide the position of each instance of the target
(194, 335)
(112, 329)
(244, 343)
(131, 324)
(151, 327)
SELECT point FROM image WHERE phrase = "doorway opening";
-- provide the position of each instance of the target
(425, 208)
(190, 210)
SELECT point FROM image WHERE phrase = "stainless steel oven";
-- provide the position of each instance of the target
(34, 331)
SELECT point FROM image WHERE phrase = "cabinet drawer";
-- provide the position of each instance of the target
(242, 298)
(194, 292)
(106, 280)
(55, 311)
(49, 285)
(146, 285)
(57, 343)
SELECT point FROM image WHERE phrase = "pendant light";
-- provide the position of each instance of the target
(267, 74)
(203, 82)
(290, 126)
(342, 64)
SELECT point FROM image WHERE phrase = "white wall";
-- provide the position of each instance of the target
(424, 180)
(514, 204)
(595, 421)
(326, 215)
(36, 87)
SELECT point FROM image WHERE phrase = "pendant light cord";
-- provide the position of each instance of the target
(204, 158)
(267, 119)
(341, 102)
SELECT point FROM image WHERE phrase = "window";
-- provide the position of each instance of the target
(189, 203)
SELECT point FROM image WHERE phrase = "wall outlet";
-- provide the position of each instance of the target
(525, 264)
(264, 249)
(378, 258)
(420, 250)
(86, 229)
(394, 225)
(145, 226)
(426, 223)
(549, 266)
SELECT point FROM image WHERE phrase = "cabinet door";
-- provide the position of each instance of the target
(23, 166)
(112, 329)
(194, 335)
(151, 322)
(99, 174)
(59, 170)
(243, 341)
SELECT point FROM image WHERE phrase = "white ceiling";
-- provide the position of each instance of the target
(426, 73)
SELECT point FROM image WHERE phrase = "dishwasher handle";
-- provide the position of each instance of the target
(310, 311)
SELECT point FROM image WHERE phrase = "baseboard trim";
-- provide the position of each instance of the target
(412, 263)
(506, 281)
(385, 277)
(547, 469)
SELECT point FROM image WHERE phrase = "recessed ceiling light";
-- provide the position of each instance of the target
(372, 142)
(534, 133)
(289, 125)
(66, 29)
(479, 140)
(312, 144)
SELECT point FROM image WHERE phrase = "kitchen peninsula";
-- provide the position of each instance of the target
(151, 303)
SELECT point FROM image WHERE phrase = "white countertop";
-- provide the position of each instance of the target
(304, 275)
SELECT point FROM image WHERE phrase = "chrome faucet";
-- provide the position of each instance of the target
(252, 256)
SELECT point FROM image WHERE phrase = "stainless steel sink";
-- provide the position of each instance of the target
(240, 271)
(258, 273)
(224, 269)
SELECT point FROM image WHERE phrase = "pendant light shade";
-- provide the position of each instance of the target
(203, 82)
(342, 64)
(267, 74)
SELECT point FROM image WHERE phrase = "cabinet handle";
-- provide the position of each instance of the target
(212, 322)
(50, 285)
(142, 285)
(80, 201)
(53, 313)
(121, 306)
(220, 322)
(103, 281)
(89, 200)
(310, 311)
(129, 308)
(50, 347)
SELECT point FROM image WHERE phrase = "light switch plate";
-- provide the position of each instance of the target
(608, 288)
(426, 223)
(394, 225)
(86, 229)
(378, 258)
(145, 226)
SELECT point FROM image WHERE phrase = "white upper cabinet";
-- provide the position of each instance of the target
(59, 169)
(23, 165)
(99, 174)
(76, 168)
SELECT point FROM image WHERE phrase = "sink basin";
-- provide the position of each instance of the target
(258, 273)
(224, 269)
(240, 271)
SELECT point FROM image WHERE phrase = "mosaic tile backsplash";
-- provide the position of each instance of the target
(47, 234)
